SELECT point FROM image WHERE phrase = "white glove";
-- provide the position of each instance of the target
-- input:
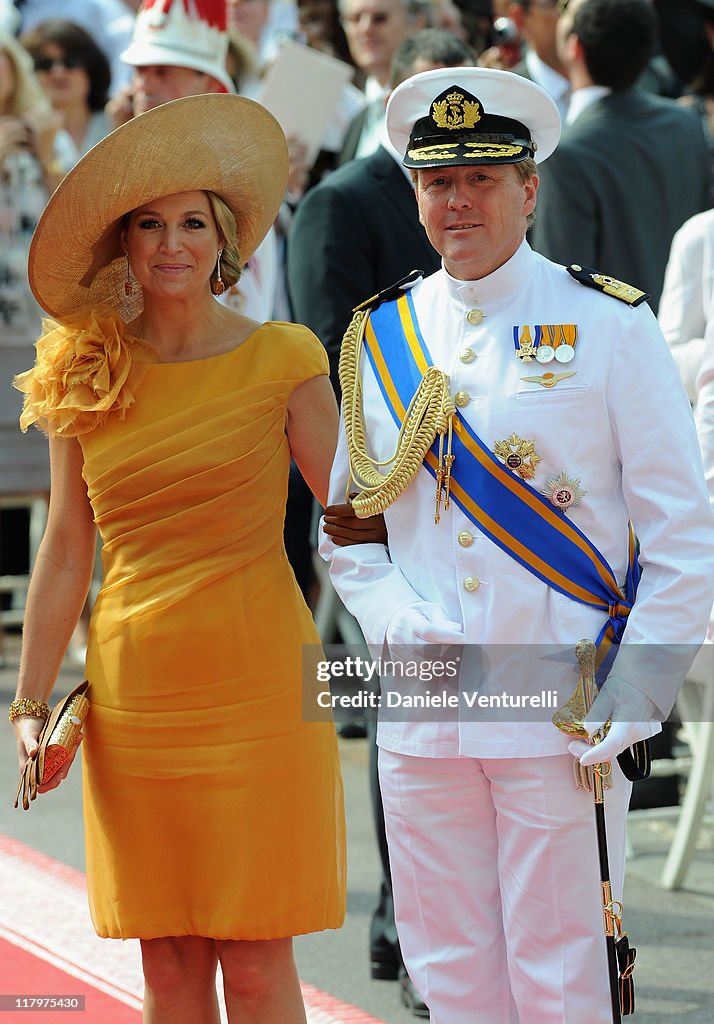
(422, 623)
(633, 716)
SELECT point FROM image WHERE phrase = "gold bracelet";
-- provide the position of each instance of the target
(28, 706)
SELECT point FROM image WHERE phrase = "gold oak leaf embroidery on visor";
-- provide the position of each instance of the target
(441, 151)
(489, 149)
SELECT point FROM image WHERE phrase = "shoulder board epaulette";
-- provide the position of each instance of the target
(610, 285)
(393, 292)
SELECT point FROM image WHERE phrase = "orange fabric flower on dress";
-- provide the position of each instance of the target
(86, 370)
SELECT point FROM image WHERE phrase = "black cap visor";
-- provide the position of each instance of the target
(457, 130)
(474, 149)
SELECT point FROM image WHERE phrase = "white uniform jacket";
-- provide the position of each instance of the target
(687, 295)
(622, 425)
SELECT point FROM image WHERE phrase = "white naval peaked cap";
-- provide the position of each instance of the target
(463, 115)
(184, 34)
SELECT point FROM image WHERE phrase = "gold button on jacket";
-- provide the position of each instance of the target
(466, 539)
(471, 583)
(467, 356)
(474, 316)
(462, 398)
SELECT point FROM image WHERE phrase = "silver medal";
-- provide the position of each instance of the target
(564, 353)
(545, 353)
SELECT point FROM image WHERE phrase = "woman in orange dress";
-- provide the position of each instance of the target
(213, 809)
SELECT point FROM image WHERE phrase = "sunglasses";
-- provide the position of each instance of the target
(64, 63)
(371, 17)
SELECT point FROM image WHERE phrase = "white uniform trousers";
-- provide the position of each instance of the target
(497, 886)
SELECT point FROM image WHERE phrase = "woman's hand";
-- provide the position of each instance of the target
(14, 136)
(344, 528)
(27, 731)
(42, 127)
(120, 107)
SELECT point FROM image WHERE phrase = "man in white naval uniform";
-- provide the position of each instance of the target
(492, 848)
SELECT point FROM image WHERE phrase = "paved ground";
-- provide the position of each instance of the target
(674, 932)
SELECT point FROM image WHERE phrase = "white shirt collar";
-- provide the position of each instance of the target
(556, 85)
(583, 98)
(373, 90)
(495, 287)
(398, 157)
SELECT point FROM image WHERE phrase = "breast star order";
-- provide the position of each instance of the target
(518, 455)
(563, 491)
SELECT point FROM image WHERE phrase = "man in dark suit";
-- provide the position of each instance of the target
(631, 167)
(356, 232)
(537, 21)
(374, 30)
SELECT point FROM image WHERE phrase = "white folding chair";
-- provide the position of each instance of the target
(695, 706)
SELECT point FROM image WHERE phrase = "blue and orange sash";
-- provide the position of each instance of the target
(516, 517)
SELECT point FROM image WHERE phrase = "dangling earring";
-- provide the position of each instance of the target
(128, 284)
(218, 287)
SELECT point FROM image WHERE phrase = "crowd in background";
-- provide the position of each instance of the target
(64, 85)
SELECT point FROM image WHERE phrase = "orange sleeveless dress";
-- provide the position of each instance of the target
(211, 807)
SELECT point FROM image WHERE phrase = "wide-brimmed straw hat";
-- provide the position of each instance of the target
(220, 143)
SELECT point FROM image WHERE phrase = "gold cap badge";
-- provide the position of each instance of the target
(454, 111)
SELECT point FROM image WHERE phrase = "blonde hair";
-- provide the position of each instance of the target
(29, 97)
(527, 169)
(231, 265)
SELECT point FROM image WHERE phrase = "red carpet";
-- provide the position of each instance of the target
(59, 954)
(24, 974)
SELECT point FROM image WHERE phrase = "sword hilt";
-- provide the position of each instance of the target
(570, 718)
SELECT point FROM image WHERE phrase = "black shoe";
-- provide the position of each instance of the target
(411, 998)
(386, 963)
(384, 970)
(352, 730)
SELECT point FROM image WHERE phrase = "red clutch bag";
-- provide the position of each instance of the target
(58, 740)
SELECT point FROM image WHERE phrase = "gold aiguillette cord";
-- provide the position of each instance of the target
(443, 470)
